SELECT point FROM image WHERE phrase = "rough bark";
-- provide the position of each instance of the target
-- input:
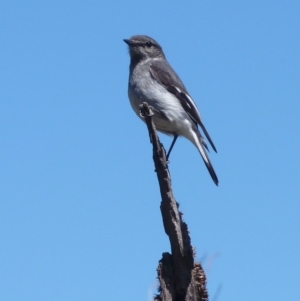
(180, 278)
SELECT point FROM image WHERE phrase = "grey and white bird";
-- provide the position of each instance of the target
(152, 80)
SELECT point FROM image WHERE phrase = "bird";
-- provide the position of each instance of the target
(153, 80)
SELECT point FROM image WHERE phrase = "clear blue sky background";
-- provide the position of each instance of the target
(79, 207)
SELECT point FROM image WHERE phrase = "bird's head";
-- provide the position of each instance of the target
(143, 47)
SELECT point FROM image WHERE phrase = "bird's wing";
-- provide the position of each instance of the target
(163, 73)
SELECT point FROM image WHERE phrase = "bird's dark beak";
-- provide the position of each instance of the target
(128, 42)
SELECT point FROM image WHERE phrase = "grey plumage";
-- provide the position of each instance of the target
(152, 80)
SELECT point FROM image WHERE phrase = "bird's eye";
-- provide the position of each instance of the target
(148, 44)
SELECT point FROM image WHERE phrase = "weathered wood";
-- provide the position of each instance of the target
(180, 278)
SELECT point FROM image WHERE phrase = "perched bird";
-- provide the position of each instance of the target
(152, 80)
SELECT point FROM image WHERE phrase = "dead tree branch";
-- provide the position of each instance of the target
(180, 278)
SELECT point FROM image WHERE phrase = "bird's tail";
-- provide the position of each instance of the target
(199, 142)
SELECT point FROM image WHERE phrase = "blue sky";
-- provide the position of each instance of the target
(79, 200)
